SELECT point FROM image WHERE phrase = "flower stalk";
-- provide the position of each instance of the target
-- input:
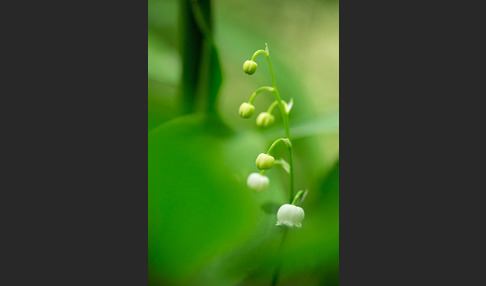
(283, 111)
(289, 215)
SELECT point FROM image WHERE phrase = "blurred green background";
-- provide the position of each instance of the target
(205, 226)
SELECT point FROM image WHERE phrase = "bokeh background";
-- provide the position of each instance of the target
(205, 227)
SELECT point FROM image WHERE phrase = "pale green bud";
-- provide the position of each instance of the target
(265, 119)
(250, 67)
(264, 161)
(246, 110)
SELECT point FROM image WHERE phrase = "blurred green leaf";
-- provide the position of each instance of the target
(200, 212)
(315, 249)
(211, 73)
(191, 51)
(163, 61)
(201, 75)
(324, 124)
(162, 103)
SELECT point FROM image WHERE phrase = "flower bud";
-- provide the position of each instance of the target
(246, 110)
(264, 119)
(250, 67)
(257, 182)
(290, 215)
(264, 161)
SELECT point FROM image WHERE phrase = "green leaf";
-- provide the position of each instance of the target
(316, 246)
(162, 103)
(325, 124)
(163, 61)
(201, 215)
(191, 49)
(201, 76)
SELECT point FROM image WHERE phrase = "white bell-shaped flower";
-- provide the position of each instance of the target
(257, 182)
(290, 215)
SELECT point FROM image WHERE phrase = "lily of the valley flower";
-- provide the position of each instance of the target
(264, 119)
(249, 67)
(264, 161)
(246, 110)
(290, 215)
(257, 182)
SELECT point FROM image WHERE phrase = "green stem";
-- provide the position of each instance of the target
(275, 144)
(285, 118)
(269, 88)
(285, 140)
(279, 258)
(257, 53)
(297, 197)
(272, 107)
(284, 165)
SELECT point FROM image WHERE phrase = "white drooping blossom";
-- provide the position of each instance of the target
(257, 182)
(290, 215)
